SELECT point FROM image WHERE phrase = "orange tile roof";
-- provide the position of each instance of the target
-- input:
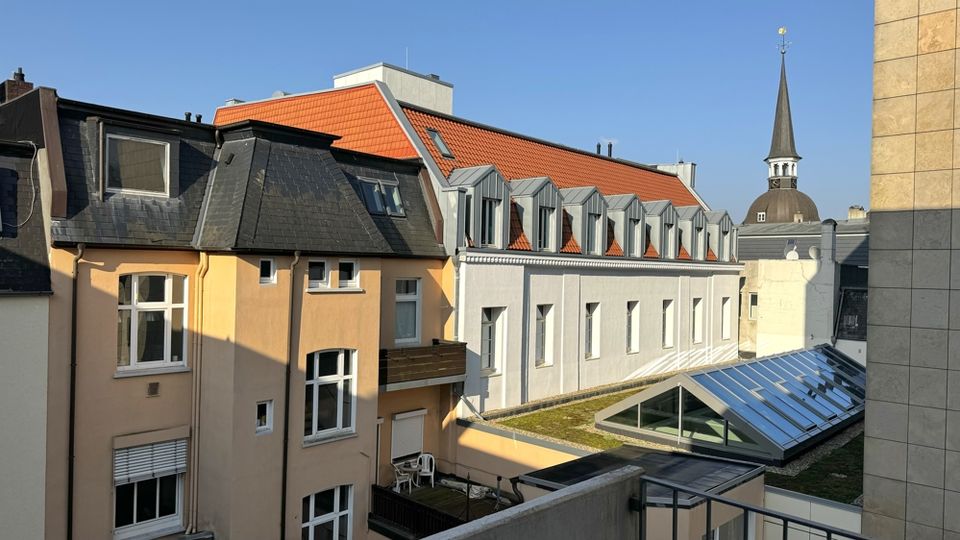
(570, 244)
(682, 254)
(711, 256)
(518, 240)
(651, 252)
(359, 115)
(517, 156)
(613, 247)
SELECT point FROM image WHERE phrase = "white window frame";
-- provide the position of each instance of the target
(309, 522)
(167, 306)
(592, 235)
(752, 311)
(545, 215)
(381, 192)
(725, 314)
(406, 298)
(353, 283)
(272, 278)
(633, 327)
(543, 348)
(268, 427)
(106, 166)
(696, 320)
(495, 351)
(490, 224)
(154, 527)
(761, 217)
(591, 330)
(668, 324)
(344, 383)
(314, 284)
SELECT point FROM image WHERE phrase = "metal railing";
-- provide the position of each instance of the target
(416, 517)
(749, 511)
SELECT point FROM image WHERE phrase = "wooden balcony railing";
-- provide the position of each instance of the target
(441, 363)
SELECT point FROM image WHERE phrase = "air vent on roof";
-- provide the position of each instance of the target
(280, 93)
(233, 101)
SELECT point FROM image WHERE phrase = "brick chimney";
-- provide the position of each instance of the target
(14, 87)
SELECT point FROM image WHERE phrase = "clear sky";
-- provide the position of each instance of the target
(659, 78)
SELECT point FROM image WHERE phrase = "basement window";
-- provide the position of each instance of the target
(440, 144)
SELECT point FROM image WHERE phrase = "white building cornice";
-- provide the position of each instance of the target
(595, 263)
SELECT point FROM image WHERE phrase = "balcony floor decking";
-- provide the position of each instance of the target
(452, 501)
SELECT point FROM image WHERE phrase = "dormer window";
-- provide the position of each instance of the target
(488, 222)
(761, 217)
(440, 144)
(137, 165)
(545, 230)
(382, 197)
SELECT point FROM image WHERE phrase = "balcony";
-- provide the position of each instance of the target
(443, 362)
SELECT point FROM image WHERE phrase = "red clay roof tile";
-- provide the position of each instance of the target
(570, 244)
(613, 247)
(651, 252)
(518, 240)
(711, 256)
(682, 254)
(359, 115)
(516, 156)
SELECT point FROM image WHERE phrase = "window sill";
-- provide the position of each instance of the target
(489, 373)
(150, 371)
(329, 438)
(415, 342)
(591, 358)
(543, 365)
(328, 290)
(667, 348)
(630, 353)
(263, 432)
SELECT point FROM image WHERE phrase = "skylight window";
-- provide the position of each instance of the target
(439, 143)
(382, 197)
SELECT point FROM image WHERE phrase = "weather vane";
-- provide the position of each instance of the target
(784, 44)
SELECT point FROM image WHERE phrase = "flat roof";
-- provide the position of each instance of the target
(703, 473)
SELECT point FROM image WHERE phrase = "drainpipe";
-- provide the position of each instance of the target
(195, 418)
(286, 398)
(71, 440)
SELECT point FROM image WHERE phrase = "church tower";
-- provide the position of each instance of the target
(783, 202)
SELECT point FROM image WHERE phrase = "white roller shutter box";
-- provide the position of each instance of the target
(150, 461)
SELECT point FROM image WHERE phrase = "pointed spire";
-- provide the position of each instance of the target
(782, 145)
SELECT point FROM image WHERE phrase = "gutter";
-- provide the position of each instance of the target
(71, 455)
(286, 399)
(195, 420)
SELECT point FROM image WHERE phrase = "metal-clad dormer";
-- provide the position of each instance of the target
(541, 210)
(588, 212)
(485, 217)
(626, 213)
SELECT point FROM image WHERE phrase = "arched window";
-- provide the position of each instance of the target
(330, 398)
(151, 321)
(776, 169)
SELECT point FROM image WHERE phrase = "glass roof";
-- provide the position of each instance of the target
(771, 408)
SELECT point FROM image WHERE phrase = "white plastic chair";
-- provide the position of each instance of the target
(426, 466)
(400, 478)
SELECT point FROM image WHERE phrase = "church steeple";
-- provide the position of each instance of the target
(782, 159)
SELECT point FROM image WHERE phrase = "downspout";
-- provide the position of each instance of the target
(286, 398)
(71, 441)
(195, 419)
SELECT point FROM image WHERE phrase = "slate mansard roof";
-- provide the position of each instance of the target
(249, 186)
(24, 268)
(770, 240)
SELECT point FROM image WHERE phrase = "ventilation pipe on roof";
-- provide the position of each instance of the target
(598, 148)
(187, 115)
(199, 118)
(609, 149)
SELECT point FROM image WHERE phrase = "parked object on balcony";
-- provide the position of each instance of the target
(401, 476)
(426, 466)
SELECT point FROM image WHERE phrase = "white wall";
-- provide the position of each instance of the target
(23, 400)
(520, 283)
(405, 85)
(837, 515)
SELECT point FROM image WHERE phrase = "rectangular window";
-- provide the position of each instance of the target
(490, 338)
(151, 321)
(407, 327)
(636, 238)
(667, 324)
(725, 318)
(761, 217)
(328, 514)
(330, 399)
(488, 222)
(264, 417)
(137, 165)
(591, 330)
(543, 348)
(317, 275)
(349, 276)
(440, 143)
(633, 327)
(406, 435)
(148, 489)
(468, 219)
(382, 197)
(592, 234)
(545, 231)
(753, 307)
(696, 320)
(268, 271)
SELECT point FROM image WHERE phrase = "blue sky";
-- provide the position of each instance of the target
(697, 78)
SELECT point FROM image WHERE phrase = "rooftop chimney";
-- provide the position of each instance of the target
(687, 172)
(599, 146)
(609, 149)
(856, 212)
(426, 91)
(14, 87)
(187, 115)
